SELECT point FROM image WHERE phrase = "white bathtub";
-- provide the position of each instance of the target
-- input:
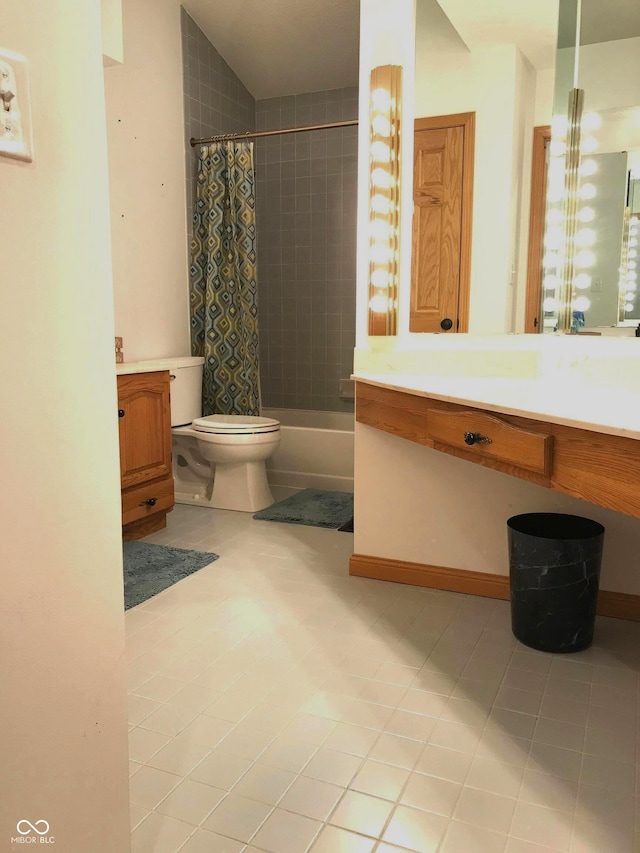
(315, 452)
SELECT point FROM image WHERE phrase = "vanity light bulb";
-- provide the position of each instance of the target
(630, 286)
(381, 125)
(380, 279)
(557, 148)
(380, 152)
(381, 99)
(632, 265)
(554, 216)
(587, 191)
(588, 168)
(381, 178)
(585, 237)
(585, 258)
(380, 230)
(551, 260)
(580, 304)
(633, 253)
(554, 237)
(550, 303)
(380, 204)
(590, 121)
(633, 232)
(378, 303)
(559, 126)
(588, 145)
(586, 214)
(628, 307)
(551, 281)
(633, 241)
(582, 281)
(380, 254)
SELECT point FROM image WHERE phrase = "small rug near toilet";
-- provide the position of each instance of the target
(150, 569)
(313, 507)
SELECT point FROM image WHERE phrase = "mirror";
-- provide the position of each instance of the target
(591, 243)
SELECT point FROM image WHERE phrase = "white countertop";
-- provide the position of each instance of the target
(581, 405)
(156, 364)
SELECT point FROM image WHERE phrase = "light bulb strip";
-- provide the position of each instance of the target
(384, 199)
(570, 208)
(624, 265)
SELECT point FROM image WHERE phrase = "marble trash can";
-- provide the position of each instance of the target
(554, 569)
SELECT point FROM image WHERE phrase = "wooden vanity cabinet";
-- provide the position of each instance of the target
(144, 420)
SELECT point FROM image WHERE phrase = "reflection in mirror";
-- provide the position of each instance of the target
(593, 196)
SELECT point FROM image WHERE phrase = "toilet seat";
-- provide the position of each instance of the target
(235, 424)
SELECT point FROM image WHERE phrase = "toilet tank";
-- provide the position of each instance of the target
(186, 389)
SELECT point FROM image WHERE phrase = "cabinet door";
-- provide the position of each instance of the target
(145, 427)
(441, 244)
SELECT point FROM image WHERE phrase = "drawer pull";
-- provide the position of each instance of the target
(476, 438)
(149, 502)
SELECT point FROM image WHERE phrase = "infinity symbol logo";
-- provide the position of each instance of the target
(32, 827)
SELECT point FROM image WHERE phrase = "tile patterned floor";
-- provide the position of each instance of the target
(278, 705)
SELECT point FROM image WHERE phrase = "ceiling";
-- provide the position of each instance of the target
(284, 47)
(532, 26)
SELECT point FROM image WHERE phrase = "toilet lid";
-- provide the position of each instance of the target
(235, 424)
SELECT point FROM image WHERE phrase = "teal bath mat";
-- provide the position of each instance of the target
(313, 507)
(149, 569)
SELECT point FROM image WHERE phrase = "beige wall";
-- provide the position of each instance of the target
(145, 129)
(62, 707)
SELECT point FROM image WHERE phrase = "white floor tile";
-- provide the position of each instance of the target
(278, 705)
(362, 813)
(159, 834)
(286, 831)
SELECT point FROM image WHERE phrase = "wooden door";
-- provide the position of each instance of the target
(533, 315)
(441, 242)
(145, 427)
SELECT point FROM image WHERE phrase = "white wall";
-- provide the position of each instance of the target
(62, 712)
(418, 504)
(147, 178)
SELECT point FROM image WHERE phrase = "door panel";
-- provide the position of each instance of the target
(443, 158)
(145, 427)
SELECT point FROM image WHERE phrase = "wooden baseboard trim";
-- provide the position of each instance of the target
(619, 605)
(144, 527)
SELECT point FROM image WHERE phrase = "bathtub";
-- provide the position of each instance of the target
(316, 450)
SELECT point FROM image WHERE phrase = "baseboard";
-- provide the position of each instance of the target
(620, 605)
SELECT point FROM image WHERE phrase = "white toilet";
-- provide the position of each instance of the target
(219, 460)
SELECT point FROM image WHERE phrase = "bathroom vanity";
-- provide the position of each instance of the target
(482, 445)
(144, 420)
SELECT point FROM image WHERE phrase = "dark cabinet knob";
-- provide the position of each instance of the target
(446, 324)
(120, 413)
(149, 502)
(476, 438)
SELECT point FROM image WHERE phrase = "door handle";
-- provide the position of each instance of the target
(446, 324)
(120, 413)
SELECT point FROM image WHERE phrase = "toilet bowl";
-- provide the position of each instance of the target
(218, 460)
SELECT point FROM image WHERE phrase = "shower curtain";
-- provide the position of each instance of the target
(223, 287)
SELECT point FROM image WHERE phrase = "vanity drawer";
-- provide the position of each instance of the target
(490, 438)
(134, 501)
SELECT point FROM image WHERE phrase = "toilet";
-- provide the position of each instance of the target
(218, 460)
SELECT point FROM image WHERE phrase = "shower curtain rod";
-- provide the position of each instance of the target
(253, 134)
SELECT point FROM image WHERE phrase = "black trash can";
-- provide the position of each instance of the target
(554, 568)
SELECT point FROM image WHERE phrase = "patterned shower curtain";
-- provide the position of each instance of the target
(223, 287)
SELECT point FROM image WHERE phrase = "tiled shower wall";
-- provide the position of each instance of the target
(306, 190)
(306, 223)
(215, 99)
